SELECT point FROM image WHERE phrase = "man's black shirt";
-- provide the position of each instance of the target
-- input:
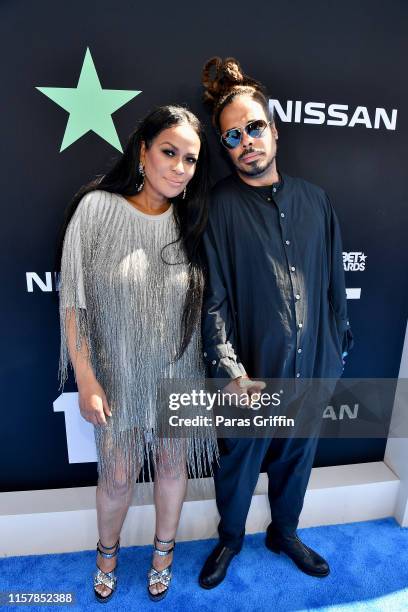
(275, 303)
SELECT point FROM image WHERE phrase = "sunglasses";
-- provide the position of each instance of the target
(233, 137)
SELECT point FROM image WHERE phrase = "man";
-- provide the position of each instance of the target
(275, 307)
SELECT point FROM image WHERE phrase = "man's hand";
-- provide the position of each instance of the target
(244, 387)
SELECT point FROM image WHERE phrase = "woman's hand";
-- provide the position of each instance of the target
(92, 401)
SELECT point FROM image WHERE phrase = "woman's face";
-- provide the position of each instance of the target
(170, 161)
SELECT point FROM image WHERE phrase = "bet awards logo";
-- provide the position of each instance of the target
(354, 261)
(339, 115)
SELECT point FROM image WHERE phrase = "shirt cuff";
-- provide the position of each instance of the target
(223, 362)
(228, 368)
(345, 334)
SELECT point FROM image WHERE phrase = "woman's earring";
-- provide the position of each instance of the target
(141, 171)
(184, 193)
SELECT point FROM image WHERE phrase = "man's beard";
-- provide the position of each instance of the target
(257, 167)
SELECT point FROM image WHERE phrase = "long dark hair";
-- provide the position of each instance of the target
(190, 213)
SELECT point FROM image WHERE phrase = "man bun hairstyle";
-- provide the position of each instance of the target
(223, 80)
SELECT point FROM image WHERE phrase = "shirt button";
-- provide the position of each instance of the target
(274, 189)
(281, 392)
(297, 296)
(269, 199)
(292, 268)
(205, 354)
(300, 325)
(287, 242)
(299, 350)
(298, 375)
(213, 362)
(282, 215)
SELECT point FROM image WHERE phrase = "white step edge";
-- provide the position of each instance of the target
(64, 520)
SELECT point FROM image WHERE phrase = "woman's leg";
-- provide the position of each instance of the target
(113, 496)
(169, 492)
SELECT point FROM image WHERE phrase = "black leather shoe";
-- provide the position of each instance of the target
(307, 560)
(215, 568)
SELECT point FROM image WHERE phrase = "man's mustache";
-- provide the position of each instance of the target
(248, 151)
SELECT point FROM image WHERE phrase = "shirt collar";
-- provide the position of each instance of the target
(266, 190)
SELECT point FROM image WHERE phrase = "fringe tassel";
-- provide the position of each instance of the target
(126, 304)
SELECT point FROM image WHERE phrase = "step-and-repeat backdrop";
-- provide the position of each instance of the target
(335, 75)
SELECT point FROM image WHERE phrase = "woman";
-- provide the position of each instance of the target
(130, 305)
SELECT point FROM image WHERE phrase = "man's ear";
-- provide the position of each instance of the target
(274, 130)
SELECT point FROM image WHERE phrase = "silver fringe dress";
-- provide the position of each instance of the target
(127, 305)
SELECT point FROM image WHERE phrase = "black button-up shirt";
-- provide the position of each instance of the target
(275, 303)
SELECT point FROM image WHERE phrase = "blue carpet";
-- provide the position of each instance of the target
(368, 561)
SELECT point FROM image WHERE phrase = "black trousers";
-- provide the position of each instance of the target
(289, 462)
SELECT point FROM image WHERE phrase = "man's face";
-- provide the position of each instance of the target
(253, 157)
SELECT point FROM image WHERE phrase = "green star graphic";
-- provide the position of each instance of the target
(90, 107)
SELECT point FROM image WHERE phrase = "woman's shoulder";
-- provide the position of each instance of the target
(94, 197)
(97, 202)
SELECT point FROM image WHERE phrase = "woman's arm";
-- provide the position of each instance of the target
(79, 357)
(93, 404)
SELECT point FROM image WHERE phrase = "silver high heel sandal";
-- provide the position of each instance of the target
(107, 578)
(163, 576)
